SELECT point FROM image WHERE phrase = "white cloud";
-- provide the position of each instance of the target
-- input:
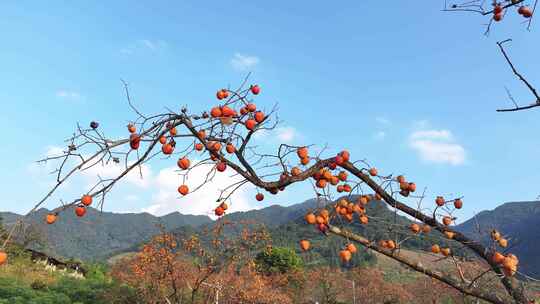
(286, 134)
(437, 146)
(70, 95)
(421, 124)
(244, 62)
(54, 151)
(383, 120)
(203, 200)
(153, 45)
(131, 198)
(144, 44)
(380, 135)
(112, 170)
(432, 135)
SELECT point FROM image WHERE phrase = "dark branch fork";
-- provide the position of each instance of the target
(531, 88)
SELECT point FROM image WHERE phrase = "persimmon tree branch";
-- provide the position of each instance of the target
(536, 103)
(208, 133)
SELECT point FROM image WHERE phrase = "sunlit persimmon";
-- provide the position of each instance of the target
(215, 112)
(439, 200)
(304, 244)
(322, 227)
(183, 189)
(295, 171)
(435, 249)
(302, 152)
(400, 179)
(201, 134)
(351, 247)
(50, 218)
(497, 258)
(415, 228)
(495, 235)
(503, 242)
(364, 219)
(162, 139)
(227, 111)
(359, 209)
(167, 149)
(134, 141)
(219, 211)
(3, 257)
(199, 147)
(86, 200)
(259, 116)
(321, 183)
(342, 176)
(391, 244)
(449, 234)
(131, 128)
(250, 124)
(230, 148)
(80, 211)
(445, 251)
(221, 166)
(183, 163)
(347, 188)
(324, 213)
(513, 257)
(373, 172)
(404, 186)
(345, 155)
(255, 89)
(447, 220)
(173, 131)
(426, 229)
(251, 107)
(221, 94)
(458, 203)
(345, 255)
(310, 218)
(259, 197)
(224, 206)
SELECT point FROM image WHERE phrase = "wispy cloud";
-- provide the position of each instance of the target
(380, 135)
(144, 45)
(383, 120)
(166, 199)
(437, 146)
(242, 62)
(68, 95)
(283, 134)
(286, 134)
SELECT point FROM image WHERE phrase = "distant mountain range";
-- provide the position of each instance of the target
(100, 235)
(519, 222)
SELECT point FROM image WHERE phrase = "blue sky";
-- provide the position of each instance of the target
(404, 85)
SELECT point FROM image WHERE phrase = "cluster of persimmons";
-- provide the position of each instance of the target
(499, 10)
